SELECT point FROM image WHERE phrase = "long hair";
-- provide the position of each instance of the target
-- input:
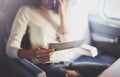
(36, 3)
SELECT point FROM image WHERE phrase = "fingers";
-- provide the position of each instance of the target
(51, 50)
(44, 50)
(41, 58)
(40, 54)
(44, 59)
(43, 54)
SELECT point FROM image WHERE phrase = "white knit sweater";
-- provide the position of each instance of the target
(43, 28)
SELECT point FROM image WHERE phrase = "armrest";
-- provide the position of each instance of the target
(90, 48)
(31, 68)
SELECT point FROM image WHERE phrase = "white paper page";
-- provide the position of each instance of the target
(68, 54)
(66, 45)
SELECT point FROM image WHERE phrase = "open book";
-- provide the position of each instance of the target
(66, 45)
(66, 51)
(68, 55)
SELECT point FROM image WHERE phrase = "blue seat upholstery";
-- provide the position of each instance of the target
(20, 67)
(3, 64)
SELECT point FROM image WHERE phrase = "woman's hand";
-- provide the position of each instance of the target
(63, 8)
(42, 54)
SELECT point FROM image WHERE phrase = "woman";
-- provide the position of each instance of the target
(44, 26)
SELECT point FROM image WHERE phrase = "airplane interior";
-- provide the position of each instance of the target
(103, 34)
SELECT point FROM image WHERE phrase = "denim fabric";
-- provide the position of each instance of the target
(85, 65)
(54, 69)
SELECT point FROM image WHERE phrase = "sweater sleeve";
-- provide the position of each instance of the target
(18, 30)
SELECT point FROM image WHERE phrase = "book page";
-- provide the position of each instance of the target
(68, 54)
(66, 45)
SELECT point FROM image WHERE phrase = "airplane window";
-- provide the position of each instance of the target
(112, 9)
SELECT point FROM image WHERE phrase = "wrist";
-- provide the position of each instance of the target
(24, 53)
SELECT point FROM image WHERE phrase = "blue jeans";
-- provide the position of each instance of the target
(86, 69)
(87, 66)
(54, 69)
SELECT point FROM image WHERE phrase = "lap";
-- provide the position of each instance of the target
(54, 69)
(60, 69)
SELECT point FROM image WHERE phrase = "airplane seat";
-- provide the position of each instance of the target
(108, 48)
(3, 63)
(105, 37)
(105, 28)
(19, 67)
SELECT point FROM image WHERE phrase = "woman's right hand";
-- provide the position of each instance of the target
(41, 54)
